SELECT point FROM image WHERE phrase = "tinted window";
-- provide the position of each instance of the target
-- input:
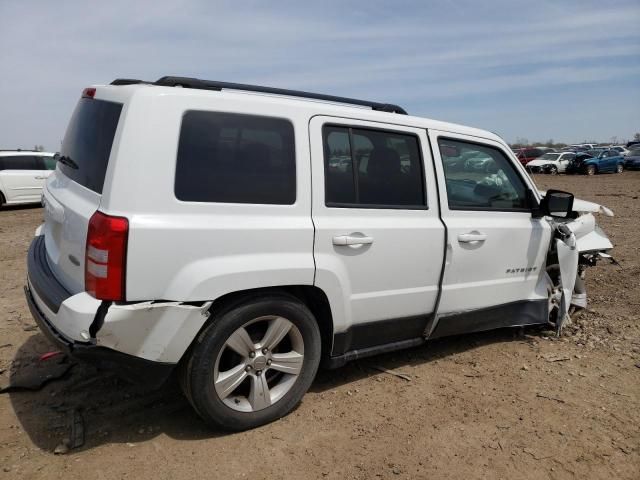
(339, 182)
(49, 163)
(483, 178)
(374, 168)
(88, 141)
(233, 158)
(20, 162)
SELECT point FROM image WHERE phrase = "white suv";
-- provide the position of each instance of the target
(22, 175)
(246, 233)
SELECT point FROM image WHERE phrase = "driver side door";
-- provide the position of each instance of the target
(496, 251)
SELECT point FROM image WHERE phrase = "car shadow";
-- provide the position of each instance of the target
(115, 411)
(28, 206)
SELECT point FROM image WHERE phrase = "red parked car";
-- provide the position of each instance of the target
(525, 155)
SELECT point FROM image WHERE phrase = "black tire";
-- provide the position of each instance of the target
(2, 200)
(591, 170)
(619, 168)
(198, 372)
(553, 170)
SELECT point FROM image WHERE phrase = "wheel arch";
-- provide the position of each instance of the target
(314, 298)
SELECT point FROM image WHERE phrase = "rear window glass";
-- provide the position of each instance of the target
(235, 158)
(88, 141)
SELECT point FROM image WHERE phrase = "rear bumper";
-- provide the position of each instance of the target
(66, 320)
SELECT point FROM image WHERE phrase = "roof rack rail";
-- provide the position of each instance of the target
(187, 82)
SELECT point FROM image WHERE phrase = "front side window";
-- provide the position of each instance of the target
(372, 168)
(235, 158)
(49, 163)
(483, 178)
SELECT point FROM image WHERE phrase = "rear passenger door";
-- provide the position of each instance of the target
(496, 250)
(20, 178)
(378, 240)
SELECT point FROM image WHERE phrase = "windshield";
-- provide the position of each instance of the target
(635, 152)
(87, 143)
(549, 156)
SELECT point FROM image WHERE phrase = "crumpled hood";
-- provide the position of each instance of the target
(580, 205)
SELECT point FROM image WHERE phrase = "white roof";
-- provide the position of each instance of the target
(20, 153)
(123, 93)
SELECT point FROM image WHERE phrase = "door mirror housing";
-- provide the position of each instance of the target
(557, 203)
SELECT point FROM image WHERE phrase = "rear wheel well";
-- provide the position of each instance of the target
(313, 297)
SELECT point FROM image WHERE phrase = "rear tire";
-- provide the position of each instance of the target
(253, 363)
(2, 200)
(591, 170)
(619, 168)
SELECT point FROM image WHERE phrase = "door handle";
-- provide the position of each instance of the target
(40, 178)
(351, 240)
(472, 237)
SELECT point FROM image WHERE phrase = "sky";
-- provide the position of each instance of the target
(538, 70)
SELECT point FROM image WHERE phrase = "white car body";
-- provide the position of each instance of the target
(407, 274)
(22, 176)
(559, 160)
(619, 148)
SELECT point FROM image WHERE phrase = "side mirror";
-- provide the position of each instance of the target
(557, 203)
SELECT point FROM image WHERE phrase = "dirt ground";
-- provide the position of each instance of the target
(505, 404)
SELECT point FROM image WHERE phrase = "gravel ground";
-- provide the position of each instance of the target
(505, 404)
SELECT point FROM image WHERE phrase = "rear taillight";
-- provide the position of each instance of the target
(106, 256)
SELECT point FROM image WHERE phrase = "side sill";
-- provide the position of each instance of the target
(340, 360)
(515, 314)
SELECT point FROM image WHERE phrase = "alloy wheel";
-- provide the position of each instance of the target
(259, 363)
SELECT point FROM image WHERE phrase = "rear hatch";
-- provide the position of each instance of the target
(73, 193)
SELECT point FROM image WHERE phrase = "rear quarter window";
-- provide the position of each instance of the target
(235, 158)
(88, 141)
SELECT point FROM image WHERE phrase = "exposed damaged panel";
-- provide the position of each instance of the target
(157, 331)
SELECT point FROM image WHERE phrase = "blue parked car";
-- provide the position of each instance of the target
(632, 160)
(600, 162)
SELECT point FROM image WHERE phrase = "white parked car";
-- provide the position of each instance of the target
(552, 163)
(22, 175)
(246, 234)
(620, 149)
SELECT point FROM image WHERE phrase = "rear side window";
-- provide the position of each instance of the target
(20, 162)
(372, 168)
(235, 158)
(88, 141)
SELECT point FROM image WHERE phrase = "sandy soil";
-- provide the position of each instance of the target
(505, 404)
